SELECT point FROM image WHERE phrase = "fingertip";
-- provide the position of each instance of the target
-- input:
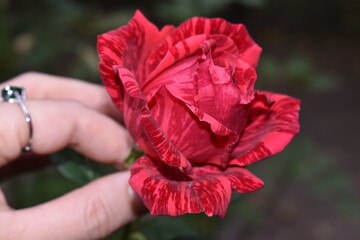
(101, 138)
(137, 204)
(14, 132)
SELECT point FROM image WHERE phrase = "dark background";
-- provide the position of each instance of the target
(310, 51)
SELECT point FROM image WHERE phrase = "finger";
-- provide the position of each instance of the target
(40, 85)
(58, 124)
(91, 212)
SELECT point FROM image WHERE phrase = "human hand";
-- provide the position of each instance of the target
(67, 113)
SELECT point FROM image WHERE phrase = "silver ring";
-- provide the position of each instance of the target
(17, 95)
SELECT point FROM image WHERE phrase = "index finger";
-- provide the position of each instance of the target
(45, 86)
(58, 124)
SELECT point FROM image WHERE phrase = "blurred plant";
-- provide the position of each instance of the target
(297, 70)
(177, 11)
(60, 40)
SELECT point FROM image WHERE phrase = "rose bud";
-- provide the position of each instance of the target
(188, 100)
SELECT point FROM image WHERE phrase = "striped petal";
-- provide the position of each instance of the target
(167, 191)
(128, 46)
(219, 91)
(241, 44)
(190, 59)
(272, 123)
(197, 135)
(143, 127)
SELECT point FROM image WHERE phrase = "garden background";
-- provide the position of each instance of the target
(310, 51)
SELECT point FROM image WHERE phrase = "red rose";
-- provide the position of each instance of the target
(188, 99)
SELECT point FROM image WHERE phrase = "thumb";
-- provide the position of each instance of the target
(91, 212)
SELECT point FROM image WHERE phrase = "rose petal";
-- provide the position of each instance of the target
(168, 191)
(165, 149)
(128, 46)
(244, 76)
(251, 55)
(180, 68)
(227, 108)
(179, 77)
(209, 87)
(222, 99)
(142, 126)
(215, 26)
(198, 136)
(168, 54)
(270, 128)
(246, 48)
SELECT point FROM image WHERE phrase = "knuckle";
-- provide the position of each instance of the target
(96, 217)
(73, 105)
(10, 146)
(4, 158)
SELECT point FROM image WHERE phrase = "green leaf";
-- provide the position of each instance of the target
(133, 155)
(137, 236)
(75, 167)
(81, 170)
(167, 228)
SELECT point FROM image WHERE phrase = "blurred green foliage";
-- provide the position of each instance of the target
(297, 70)
(177, 11)
(77, 168)
(40, 186)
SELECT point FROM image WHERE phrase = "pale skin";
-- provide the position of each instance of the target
(67, 113)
